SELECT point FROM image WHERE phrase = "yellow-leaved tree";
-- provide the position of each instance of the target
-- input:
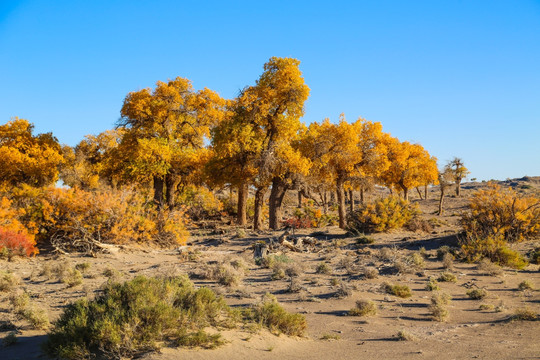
(268, 117)
(27, 158)
(165, 132)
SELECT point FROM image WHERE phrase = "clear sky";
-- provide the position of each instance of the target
(461, 77)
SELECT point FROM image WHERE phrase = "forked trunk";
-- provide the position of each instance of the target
(351, 201)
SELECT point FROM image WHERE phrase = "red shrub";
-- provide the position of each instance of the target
(16, 243)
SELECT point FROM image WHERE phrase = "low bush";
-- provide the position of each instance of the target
(432, 285)
(525, 285)
(200, 202)
(438, 306)
(364, 308)
(502, 213)
(492, 247)
(477, 294)
(323, 268)
(273, 316)
(402, 291)
(525, 314)
(8, 281)
(382, 215)
(135, 317)
(447, 277)
(488, 268)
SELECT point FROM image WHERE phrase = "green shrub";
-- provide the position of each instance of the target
(135, 317)
(403, 335)
(273, 316)
(382, 215)
(494, 248)
(364, 308)
(37, 317)
(534, 256)
(438, 306)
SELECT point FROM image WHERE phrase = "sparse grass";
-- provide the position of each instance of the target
(448, 261)
(37, 317)
(330, 337)
(402, 291)
(200, 339)
(432, 285)
(489, 268)
(524, 314)
(487, 307)
(525, 285)
(19, 300)
(438, 306)
(477, 294)
(447, 277)
(417, 260)
(334, 281)
(8, 281)
(272, 260)
(364, 308)
(370, 272)
(278, 273)
(323, 268)
(272, 315)
(72, 277)
(404, 335)
(364, 240)
(83, 267)
(343, 290)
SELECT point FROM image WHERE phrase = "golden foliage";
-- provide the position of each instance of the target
(382, 215)
(26, 158)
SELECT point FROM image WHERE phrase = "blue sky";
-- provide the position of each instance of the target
(460, 77)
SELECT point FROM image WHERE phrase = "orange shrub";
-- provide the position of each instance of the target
(75, 219)
(502, 212)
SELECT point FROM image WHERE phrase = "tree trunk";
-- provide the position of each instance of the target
(405, 193)
(351, 199)
(243, 190)
(325, 202)
(362, 196)
(419, 193)
(458, 187)
(425, 192)
(279, 188)
(341, 204)
(171, 181)
(299, 200)
(259, 201)
(159, 185)
(441, 202)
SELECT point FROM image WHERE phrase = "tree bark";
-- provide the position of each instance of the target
(299, 199)
(441, 201)
(159, 186)
(419, 193)
(279, 188)
(243, 190)
(362, 196)
(341, 204)
(325, 202)
(425, 192)
(458, 187)
(405, 192)
(171, 181)
(259, 201)
(351, 199)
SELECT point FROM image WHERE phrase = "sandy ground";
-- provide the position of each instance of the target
(468, 333)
